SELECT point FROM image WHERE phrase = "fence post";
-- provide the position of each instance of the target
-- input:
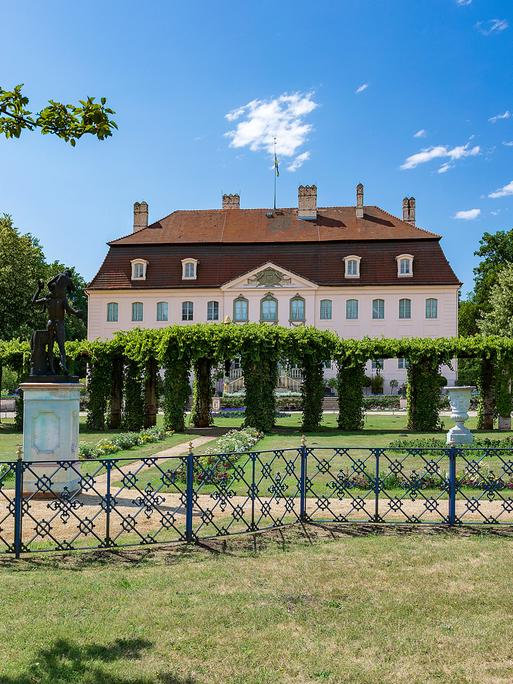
(189, 495)
(108, 465)
(253, 489)
(377, 487)
(18, 502)
(452, 486)
(302, 480)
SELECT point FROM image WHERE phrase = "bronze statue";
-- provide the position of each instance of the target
(57, 305)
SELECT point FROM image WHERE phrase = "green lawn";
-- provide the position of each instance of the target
(288, 608)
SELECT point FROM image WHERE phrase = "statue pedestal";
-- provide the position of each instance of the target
(459, 399)
(50, 433)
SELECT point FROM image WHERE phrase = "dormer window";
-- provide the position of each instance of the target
(139, 267)
(404, 265)
(189, 269)
(352, 264)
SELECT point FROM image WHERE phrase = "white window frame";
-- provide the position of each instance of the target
(403, 363)
(329, 305)
(188, 315)
(185, 264)
(212, 301)
(139, 262)
(347, 261)
(141, 319)
(407, 303)
(166, 309)
(378, 318)
(115, 309)
(409, 259)
(430, 300)
(352, 318)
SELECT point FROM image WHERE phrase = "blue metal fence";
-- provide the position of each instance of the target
(118, 502)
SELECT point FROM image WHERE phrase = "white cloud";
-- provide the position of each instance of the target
(508, 143)
(420, 134)
(463, 3)
(492, 26)
(298, 162)
(260, 121)
(467, 214)
(506, 115)
(361, 88)
(505, 191)
(445, 167)
(440, 152)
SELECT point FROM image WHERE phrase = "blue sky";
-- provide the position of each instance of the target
(174, 71)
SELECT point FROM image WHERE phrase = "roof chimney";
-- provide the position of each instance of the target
(359, 200)
(231, 201)
(409, 210)
(307, 202)
(140, 216)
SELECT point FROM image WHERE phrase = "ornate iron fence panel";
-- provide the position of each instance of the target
(483, 486)
(245, 492)
(340, 485)
(118, 502)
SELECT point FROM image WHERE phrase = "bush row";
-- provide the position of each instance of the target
(120, 442)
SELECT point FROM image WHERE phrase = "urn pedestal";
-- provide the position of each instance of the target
(50, 434)
(459, 399)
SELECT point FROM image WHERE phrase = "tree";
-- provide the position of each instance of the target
(498, 320)
(67, 121)
(22, 265)
(496, 251)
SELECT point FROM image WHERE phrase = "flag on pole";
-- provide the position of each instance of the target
(276, 167)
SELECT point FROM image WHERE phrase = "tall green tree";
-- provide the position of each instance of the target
(22, 266)
(496, 252)
(67, 121)
(498, 320)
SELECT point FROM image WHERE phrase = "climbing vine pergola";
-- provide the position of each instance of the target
(123, 373)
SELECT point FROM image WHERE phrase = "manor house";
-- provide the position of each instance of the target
(356, 270)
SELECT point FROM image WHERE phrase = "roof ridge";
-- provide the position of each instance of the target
(424, 230)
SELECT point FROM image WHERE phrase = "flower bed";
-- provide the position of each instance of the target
(120, 442)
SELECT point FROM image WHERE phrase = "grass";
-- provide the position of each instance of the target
(293, 607)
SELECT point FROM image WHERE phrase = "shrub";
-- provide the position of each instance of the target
(120, 442)
(384, 402)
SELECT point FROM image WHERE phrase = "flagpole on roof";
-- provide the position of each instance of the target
(276, 172)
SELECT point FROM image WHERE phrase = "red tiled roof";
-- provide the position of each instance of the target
(321, 263)
(265, 226)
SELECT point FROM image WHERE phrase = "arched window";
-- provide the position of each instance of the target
(189, 269)
(212, 311)
(112, 312)
(187, 311)
(404, 265)
(326, 309)
(137, 311)
(269, 309)
(405, 308)
(352, 309)
(352, 265)
(431, 308)
(240, 310)
(139, 268)
(378, 309)
(297, 309)
(162, 311)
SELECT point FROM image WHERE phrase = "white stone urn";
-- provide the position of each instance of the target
(459, 398)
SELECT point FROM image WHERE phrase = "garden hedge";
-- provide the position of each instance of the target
(122, 372)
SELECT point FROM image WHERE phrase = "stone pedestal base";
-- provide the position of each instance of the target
(50, 434)
(459, 434)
